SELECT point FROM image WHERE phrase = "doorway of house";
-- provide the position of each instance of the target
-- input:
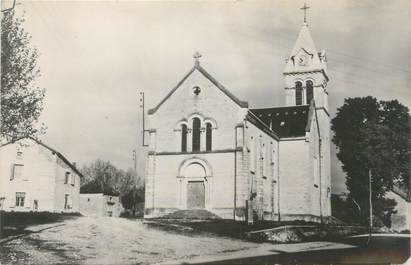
(195, 195)
(36, 205)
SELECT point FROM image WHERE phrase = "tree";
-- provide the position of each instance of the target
(102, 176)
(372, 135)
(132, 199)
(21, 99)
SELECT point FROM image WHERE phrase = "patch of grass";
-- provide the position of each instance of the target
(22, 219)
(228, 228)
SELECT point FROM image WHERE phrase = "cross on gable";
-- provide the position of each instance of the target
(304, 8)
(197, 57)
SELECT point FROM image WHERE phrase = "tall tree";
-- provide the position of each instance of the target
(372, 135)
(21, 99)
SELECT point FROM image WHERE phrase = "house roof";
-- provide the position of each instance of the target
(403, 192)
(54, 151)
(197, 67)
(286, 122)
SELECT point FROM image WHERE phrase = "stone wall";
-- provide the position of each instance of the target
(98, 204)
(262, 169)
(294, 178)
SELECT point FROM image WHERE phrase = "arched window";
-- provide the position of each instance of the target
(310, 92)
(196, 134)
(298, 93)
(209, 137)
(184, 138)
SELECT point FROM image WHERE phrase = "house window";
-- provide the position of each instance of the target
(67, 177)
(17, 171)
(209, 137)
(66, 201)
(310, 92)
(298, 93)
(196, 134)
(183, 138)
(73, 179)
(19, 155)
(20, 196)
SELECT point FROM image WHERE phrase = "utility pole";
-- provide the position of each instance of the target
(370, 199)
(135, 161)
(142, 106)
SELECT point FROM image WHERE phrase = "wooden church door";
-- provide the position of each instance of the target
(195, 195)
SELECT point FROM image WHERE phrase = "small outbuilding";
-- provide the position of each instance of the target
(100, 204)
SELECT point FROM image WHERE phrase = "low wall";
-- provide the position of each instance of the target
(303, 233)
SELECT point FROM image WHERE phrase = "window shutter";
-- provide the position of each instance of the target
(12, 172)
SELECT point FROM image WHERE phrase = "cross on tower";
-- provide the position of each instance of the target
(305, 7)
(197, 57)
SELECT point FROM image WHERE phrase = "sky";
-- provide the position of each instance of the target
(96, 56)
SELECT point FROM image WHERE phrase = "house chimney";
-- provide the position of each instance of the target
(74, 164)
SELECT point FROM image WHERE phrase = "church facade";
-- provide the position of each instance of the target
(209, 150)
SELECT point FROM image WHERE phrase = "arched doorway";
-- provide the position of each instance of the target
(195, 184)
(195, 174)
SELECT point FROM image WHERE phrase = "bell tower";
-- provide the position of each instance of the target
(305, 73)
(306, 79)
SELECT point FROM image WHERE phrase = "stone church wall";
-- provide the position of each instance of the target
(165, 185)
(169, 183)
(295, 183)
(262, 169)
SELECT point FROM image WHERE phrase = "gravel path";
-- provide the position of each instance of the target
(106, 240)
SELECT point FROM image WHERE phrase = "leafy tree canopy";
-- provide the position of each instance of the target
(21, 98)
(373, 136)
(103, 177)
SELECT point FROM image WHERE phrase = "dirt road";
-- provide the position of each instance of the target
(111, 241)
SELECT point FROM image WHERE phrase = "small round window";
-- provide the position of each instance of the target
(196, 90)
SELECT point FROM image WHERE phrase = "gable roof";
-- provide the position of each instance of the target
(198, 67)
(251, 117)
(402, 191)
(293, 121)
(60, 155)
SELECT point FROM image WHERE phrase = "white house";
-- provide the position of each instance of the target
(36, 177)
(210, 150)
(401, 220)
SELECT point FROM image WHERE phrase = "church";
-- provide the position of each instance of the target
(209, 150)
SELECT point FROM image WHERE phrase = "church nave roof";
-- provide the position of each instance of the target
(285, 121)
